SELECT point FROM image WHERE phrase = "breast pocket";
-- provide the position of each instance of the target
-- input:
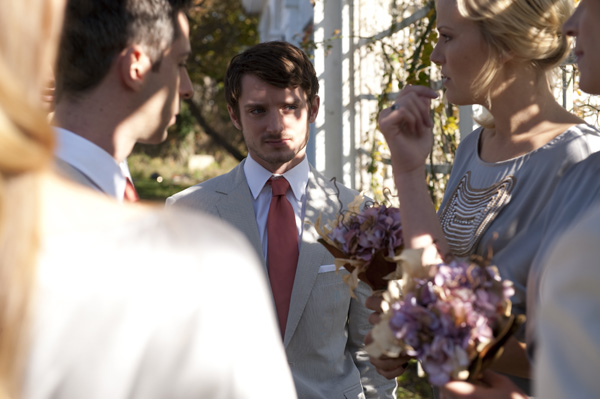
(329, 302)
(328, 275)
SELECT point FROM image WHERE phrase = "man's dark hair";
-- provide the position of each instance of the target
(97, 31)
(280, 64)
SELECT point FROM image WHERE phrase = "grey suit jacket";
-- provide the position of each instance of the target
(326, 326)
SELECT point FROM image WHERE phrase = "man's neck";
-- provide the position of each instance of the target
(97, 124)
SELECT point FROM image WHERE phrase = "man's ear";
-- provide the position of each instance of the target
(506, 56)
(134, 66)
(314, 109)
(234, 118)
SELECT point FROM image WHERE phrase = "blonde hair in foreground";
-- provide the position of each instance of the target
(28, 41)
(526, 30)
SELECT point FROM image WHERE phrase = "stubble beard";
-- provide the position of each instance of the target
(277, 159)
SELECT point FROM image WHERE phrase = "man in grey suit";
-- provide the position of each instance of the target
(120, 75)
(271, 91)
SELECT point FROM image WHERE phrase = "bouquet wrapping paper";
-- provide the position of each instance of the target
(365, 242)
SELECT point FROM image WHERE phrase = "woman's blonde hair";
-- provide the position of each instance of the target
(30, 31)
(525, 30)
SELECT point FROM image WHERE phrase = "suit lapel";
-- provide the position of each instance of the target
(320, 199)
(236, 207)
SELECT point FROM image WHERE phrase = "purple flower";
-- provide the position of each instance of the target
(374, 229)
(445, 318)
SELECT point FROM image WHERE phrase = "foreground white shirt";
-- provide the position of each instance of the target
(159, 305)
(567, 354)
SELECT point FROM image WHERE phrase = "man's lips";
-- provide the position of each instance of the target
(278, 140)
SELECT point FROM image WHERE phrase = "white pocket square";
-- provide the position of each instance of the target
(326, 268)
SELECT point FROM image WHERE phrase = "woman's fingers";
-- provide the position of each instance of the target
(390, 367)
(421, 96)
(373, 303)
(410, 113)
(421, 106)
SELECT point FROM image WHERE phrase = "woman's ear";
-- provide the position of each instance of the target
(506, 56)
(134, 66)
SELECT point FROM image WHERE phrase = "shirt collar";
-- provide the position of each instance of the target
(257, 176)
(91, 160)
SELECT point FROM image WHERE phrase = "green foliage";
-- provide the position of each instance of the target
(180, 143)
(186, 124)
(219, 29)
(157, 178)
(418, 72)
(406, 60)
(151, 190)
(411, 386)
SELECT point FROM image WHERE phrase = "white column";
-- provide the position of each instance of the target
(348, 96)
(328, 62)
(318, 133)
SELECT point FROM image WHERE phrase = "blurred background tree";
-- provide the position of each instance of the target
(219, 29)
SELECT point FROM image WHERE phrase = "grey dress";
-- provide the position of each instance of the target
(488, 208)
(495, 209)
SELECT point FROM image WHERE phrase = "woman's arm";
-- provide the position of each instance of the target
(407, 127)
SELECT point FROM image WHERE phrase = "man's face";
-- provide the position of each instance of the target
(167, 85)
(275, 123)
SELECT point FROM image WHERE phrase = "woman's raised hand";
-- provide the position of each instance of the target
(407, 127)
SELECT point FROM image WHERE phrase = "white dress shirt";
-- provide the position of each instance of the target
(567, 317)
(98, 165)
(257, 177)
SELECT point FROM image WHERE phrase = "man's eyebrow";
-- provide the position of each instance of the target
(253, 104)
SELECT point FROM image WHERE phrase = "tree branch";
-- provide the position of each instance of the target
(216, 137)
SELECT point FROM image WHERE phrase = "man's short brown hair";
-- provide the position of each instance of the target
(95, 32)
(277, 63)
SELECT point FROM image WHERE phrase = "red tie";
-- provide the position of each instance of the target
(130, 193)
(282, 250)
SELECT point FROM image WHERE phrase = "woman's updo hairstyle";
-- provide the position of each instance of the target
(525, 30)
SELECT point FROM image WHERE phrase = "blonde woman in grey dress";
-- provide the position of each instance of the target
(497, 54)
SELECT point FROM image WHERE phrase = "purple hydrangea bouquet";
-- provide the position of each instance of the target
(454, 318)
(365, 242)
